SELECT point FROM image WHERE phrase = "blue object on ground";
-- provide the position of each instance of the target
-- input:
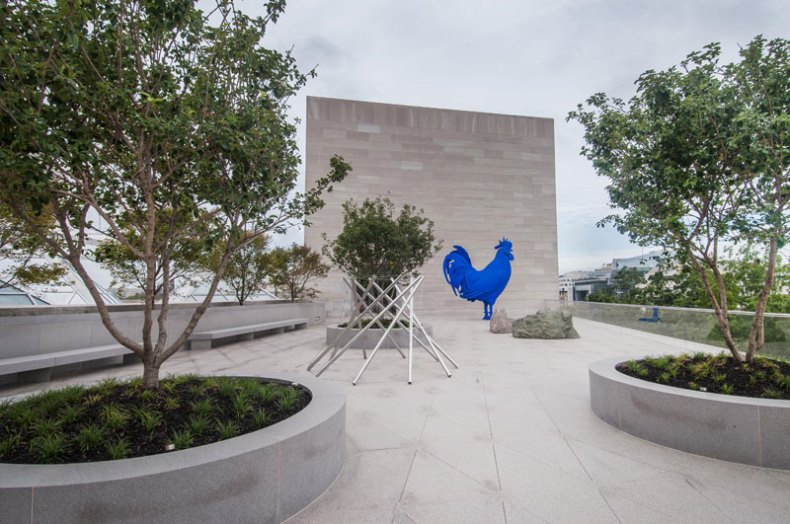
(484, 285)
(654, 318)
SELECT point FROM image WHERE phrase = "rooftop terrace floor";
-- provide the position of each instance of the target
(510, 438)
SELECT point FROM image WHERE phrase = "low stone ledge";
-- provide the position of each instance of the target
(370, 337)
(737, 429)
(264, 476)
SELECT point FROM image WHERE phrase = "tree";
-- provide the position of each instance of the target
(603, 295)
(742, 274)
(247, 270)
(623, 288)
(376, 243)
(18, 252)
(294, 268)
(188, 259)
(625, 284)
(698, 159)
(135, 120)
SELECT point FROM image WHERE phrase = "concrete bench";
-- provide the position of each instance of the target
(38, 368)
(203, 339)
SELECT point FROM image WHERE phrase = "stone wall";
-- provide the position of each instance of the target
(478, 176)
(38, 330)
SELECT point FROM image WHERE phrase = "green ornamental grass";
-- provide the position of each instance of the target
(115, 419)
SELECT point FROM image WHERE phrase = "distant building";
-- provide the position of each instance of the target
(576, 285)
(644, 263)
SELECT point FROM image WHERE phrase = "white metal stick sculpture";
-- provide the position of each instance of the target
(397, 302)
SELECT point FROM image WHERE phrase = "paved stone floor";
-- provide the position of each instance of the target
(509, 438)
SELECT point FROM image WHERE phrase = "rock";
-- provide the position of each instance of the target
(499, 322)
(545, 324)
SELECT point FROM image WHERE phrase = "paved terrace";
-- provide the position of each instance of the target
(509, 438)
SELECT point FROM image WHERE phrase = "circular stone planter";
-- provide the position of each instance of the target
(370, 337)
(264, 476)
(738, 429)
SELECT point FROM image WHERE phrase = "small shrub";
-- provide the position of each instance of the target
(93, 399)
(202, 407)
(183, 439)
(70, 414)
(72, 394)
(198, 424)
(260, 418)
(757, 377)
(114, 417)
(703, 369)
(9, 445)
(637, 368)
(20, 416)
(106, 386)
(148, 395)
(694, 386)
(227, 430)
(46, 403)
(771, 393)
(172, 403)
(726, 389)
(226, 387)
(48, 448)
(45, 427)
(783, 381)
(117, 449)
(148, 418)
(659, 363)
(90, 437)
(664, 377)
(241, 405)
(699, 356)
(249, 387)
(289, 397)
(267, 392)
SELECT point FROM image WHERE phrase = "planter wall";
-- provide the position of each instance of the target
(738, 429)
(264, 476)
(370, 337)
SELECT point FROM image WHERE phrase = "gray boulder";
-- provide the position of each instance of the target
(499, 322)
(545, 324)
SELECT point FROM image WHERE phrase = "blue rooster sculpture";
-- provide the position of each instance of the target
(484, 285)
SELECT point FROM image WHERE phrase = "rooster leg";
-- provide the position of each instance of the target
(486, 311)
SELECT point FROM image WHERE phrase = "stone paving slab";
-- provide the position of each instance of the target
(509, 438)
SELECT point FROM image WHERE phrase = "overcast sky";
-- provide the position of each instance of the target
(532, 58)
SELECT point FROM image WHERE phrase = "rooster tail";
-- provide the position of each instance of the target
(456, 264)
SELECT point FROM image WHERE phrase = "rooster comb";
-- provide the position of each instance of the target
(504, 243)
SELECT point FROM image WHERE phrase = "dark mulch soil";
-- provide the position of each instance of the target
(123, 420)
(763, 378)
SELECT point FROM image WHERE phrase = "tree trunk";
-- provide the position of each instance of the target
(757, 330)
(719, 304)
(150, 372)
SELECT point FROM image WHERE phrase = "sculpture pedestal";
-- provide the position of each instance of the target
(398, 338)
